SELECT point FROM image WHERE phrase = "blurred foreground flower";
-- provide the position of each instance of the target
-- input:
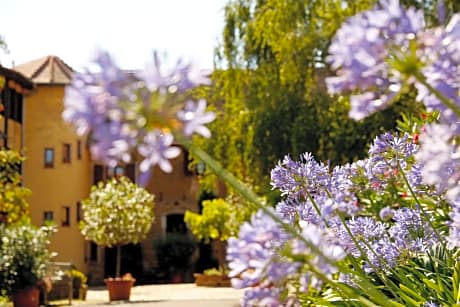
(380, 53)
(135, 115)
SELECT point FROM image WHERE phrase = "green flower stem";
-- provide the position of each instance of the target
(417, 201)
(381, 276)
(241, 188)
(350, 292)
(456, 109)
(315, 205)
(364, 254)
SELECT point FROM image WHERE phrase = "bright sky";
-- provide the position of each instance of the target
(129, 29)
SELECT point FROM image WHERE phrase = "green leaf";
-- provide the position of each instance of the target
(411, 292)
(432, 285)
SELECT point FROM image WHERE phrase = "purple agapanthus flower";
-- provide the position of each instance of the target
(392, 146)
(364, 229)
(342, 189)
(128, 114)
(360, 52)
(411, 234)
(366, 48)
(323, 214)
(255, 260)
(441, 70)
(330, 251)
(388, 155)
(386, 214)
(180, 78)
(454, 225)
(297, 179)
(92, 104)
(257, 296)
(258, 259)
(440, 158)
(157, 150)
(253, 250)
(194, 117)
(374, 245)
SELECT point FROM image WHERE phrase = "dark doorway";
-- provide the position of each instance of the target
(131, 260)
(175, 224)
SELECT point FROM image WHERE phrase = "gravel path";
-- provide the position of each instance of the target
(186, 295)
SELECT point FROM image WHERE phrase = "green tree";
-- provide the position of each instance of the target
(269, 89)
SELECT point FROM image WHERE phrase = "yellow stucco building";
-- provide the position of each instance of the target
(59, 171)
(57, 166)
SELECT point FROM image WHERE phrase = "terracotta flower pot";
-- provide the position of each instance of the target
(119, 289)
(26, 297)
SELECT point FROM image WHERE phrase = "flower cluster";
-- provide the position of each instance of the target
(266, 260)
(372, 57)
(378, 53)
(24, 256)
(135, 113)
(391, 210)
(349, 210)
(362, 51)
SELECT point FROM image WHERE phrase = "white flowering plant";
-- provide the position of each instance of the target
(117, 212)
(24, 255)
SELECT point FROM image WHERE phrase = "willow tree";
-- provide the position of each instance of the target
(269, 91)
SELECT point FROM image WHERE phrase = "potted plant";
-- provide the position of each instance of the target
(116, 213)
(212, 278)
(24, 256)
(219, 220)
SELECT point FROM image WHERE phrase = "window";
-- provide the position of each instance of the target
(79, 150)
(49, 157)
(119, 171)
(98, 173)
(102, 173)
(79, 212)
(48, 216)
(116, 172)
(65, 216)
(66, 151)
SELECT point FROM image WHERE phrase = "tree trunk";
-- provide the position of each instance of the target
(118, 265)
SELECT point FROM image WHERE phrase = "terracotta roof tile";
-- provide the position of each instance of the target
(47, 70)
